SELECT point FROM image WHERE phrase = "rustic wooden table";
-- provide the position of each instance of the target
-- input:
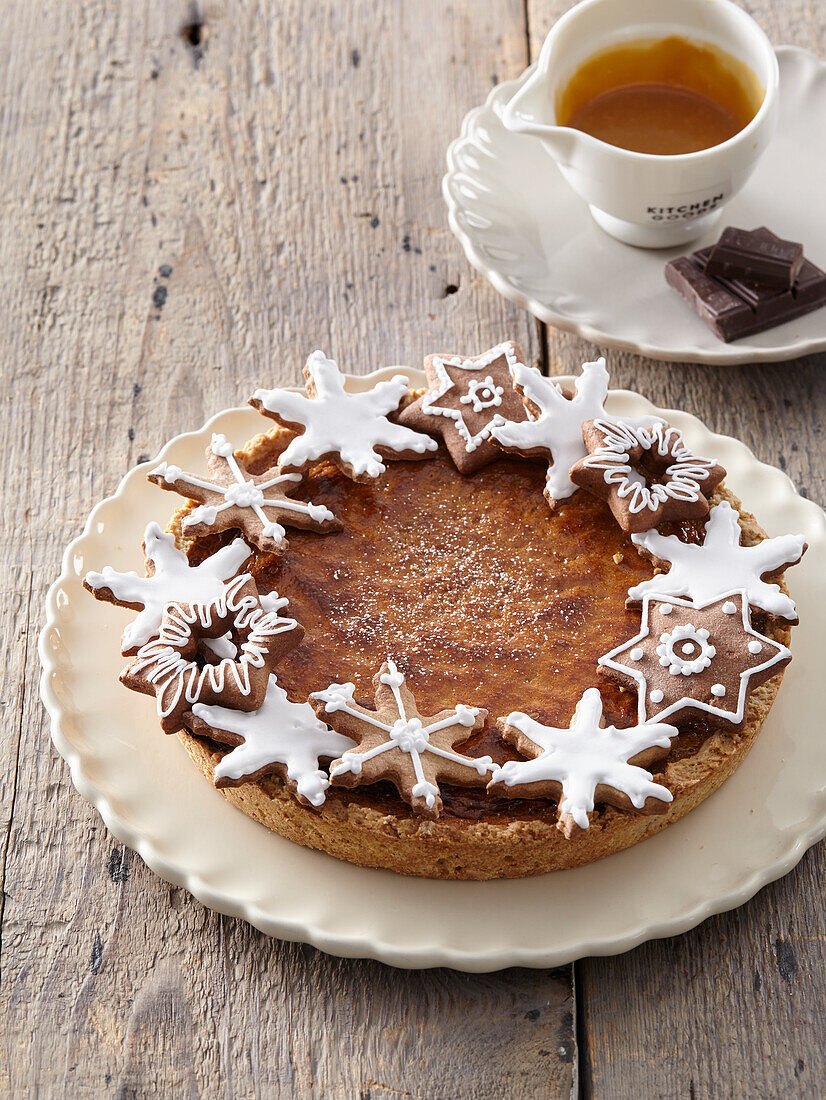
(193, 199)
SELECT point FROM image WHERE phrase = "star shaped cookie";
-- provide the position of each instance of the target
(352, 430)
(695, 657)
(175, 669)
(169, 577)
(720, 564)
(646, 473)
(466, 398)
(231, 499)
(583, 764)
(397, 743)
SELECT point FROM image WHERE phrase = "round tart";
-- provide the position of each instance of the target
(511, 662)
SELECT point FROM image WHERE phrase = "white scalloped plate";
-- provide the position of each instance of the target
(152, 798)
(525, 230)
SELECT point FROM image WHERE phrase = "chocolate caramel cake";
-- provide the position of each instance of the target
(492, 671)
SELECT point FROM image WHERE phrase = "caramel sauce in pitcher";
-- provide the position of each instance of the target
(664, 96)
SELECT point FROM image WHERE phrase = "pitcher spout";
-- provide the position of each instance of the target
(527, 113)
(560, 141)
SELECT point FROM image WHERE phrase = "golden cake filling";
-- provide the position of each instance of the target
(471, 585)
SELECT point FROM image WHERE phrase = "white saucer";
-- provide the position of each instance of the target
(150, 795)
(528, 233)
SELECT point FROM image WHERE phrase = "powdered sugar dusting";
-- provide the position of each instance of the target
(471, 583)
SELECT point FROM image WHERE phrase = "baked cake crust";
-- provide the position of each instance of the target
(370, 836)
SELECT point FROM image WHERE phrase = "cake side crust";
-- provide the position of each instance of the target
(458, 849)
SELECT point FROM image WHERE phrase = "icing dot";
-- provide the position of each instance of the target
(688, 647)
(636, 654)
(666, 608)
(729, 608)
(718, 690)
(755, 646)
(656, 696)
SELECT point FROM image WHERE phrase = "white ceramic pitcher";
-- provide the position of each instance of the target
(644, 199)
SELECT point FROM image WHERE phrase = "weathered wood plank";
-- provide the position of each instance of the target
(186, 215)
(738, 1006)
(176, 227)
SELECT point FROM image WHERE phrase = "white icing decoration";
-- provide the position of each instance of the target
(697, 653)
(684, 472)
(718, 690)
(644, 696)
(491, 394)
(223, 647)
(635, 654)
(729, 608)
(162, 662)
(666, 609)
(271, 601)
(279, 732)
(482, 394)
(557, 429)
(173, 579)
(243, 492)
(585, 755)
(720, 564)
(408, 735)
(350, 425)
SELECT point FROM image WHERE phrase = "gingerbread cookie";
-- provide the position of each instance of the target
(169, 576)
(646, 473)
(171, 667)
(719, 564)
(280, 738)
(554, 430)
(349, 429)
(585, 763)
(399, 744)
(231, 499)
(691, 658)
(466, 398)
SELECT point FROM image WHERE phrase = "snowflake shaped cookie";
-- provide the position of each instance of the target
(645, 473)
(230, 498)
(584, 764)
(695, 657)
(349, 429)
(169, 577)
(399, 744)
(466, 398)
(280, 738)
(720, 564)
(555, 428)
(173, 668)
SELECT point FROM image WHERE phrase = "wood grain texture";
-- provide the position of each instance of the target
(736, 1008)
(194, 198)
(187, 215)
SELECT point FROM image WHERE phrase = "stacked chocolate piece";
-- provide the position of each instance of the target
(749, 281)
